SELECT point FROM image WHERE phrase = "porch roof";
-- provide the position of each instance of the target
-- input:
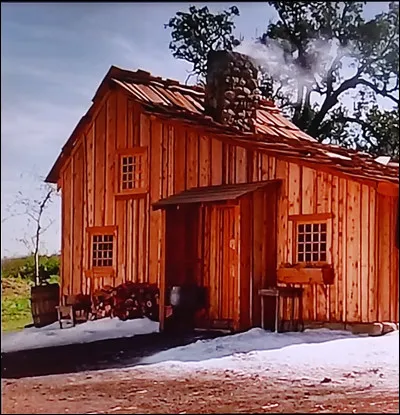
(209, 194)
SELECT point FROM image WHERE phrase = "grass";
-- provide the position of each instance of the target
(16, 303)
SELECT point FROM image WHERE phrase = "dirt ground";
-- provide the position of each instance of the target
(146, 391)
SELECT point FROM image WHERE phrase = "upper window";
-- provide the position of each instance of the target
(132, 171)
(311, 242)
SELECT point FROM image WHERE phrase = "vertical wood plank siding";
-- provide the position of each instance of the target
(362, 229)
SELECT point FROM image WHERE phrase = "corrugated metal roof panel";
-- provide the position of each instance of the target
(210, 194)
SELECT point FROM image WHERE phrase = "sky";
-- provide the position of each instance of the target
(53, 57)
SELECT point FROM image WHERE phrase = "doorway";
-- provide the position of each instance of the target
(223, 263)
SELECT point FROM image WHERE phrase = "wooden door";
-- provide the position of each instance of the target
(223, 264)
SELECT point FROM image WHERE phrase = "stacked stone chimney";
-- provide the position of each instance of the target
(232, 95)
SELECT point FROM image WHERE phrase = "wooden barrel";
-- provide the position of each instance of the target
(44, 299)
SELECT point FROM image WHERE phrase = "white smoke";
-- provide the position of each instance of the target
(285, 67)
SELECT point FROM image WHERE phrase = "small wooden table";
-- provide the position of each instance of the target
(284, 292)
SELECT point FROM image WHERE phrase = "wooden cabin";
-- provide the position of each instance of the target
(172, 184)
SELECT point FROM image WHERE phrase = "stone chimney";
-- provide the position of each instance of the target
(232, 95)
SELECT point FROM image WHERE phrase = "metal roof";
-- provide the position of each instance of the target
(208, 194)
(274, 133)
(167, 95)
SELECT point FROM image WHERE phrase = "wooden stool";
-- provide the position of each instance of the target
(66, 314)
(294, 295)
(81, 305)
(285, 293)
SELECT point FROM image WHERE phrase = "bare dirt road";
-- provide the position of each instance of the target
(147, 391)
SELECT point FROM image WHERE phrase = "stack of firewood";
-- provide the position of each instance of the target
(103, 303)
(135, 301)
(126, 301)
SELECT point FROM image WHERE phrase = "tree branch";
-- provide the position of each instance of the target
(384, 92)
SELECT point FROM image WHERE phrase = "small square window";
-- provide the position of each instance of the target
(312, 242)
(102, 250)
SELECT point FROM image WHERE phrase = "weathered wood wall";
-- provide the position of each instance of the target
(363, 225)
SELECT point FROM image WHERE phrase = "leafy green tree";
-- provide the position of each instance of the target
(328, 57)
(196, 33)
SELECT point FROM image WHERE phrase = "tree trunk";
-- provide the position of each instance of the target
(36, 259)
(36, 255)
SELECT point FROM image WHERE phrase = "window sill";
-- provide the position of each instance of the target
(131, 194)
(101, 271)
(316, 275)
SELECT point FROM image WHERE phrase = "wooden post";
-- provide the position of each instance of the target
(262, 312)
(162, 271)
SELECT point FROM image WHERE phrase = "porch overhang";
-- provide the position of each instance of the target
(213, 194)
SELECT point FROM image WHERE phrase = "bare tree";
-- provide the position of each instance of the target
(34, 209)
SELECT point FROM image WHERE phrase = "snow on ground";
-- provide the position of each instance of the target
(90, 331)
(311, 355)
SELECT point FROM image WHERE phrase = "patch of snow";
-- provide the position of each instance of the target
(90, 331)
(312, 355)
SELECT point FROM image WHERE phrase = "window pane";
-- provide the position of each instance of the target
(301, 238)
(308, 257)
(301, 248)
(308, 237)
(315, 257)
(323, 227)
(323, 237)
(300, 257)
(315, 237)
(323, 247)
(315, 247)
(315, 227)
(308, 247)
(323, 256)
(301, 228)
(308, 228)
